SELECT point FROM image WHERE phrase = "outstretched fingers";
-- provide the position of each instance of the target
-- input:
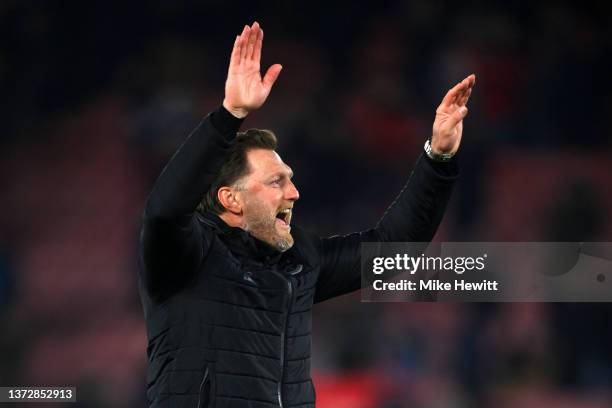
(252, 40)
(258, 47)
(459, 94)
(235, 57)
(271, 76)
(451, 96)
(245, 89)
(244, 38)
(470, 81)
(464, 97)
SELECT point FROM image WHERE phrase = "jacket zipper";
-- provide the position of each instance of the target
(282, 345)
(201, 385)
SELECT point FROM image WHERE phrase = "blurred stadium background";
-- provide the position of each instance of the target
(96, 96)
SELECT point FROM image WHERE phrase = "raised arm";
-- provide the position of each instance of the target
(416, 213)
(172, 244)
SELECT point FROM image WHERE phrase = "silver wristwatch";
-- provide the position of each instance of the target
(444, 157)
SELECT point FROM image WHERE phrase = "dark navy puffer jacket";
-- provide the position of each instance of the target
(228, 317)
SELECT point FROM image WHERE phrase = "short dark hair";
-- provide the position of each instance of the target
(236, 166)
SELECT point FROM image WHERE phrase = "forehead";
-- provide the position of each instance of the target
(264, 163)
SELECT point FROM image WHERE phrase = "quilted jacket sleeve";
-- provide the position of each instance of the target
(171, 243)
(414, 216)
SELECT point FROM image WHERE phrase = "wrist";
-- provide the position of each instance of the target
(435, 154)
(239, 113)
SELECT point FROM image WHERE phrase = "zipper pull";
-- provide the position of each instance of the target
(248, 276)
(296, 269)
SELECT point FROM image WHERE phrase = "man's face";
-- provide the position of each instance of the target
(268, 196)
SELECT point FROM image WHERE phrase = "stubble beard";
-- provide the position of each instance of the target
(262, 225)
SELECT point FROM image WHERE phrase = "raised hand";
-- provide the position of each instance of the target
(245, 90)
(448, 124)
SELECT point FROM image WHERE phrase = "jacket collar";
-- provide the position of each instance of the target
(239, 241)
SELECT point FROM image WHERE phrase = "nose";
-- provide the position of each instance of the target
(292, 193)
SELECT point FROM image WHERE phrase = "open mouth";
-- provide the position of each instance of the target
(284, 217)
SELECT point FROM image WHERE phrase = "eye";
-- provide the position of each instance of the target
(275, 182)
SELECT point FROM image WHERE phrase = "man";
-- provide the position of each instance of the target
(228, 290)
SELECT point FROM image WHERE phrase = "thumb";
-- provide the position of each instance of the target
(457, 116)
(272, 75)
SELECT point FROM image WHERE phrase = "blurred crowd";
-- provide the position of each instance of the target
(96, 96)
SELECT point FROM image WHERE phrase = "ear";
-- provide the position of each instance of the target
(229, 199)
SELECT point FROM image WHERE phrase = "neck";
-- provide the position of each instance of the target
(232, 220)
